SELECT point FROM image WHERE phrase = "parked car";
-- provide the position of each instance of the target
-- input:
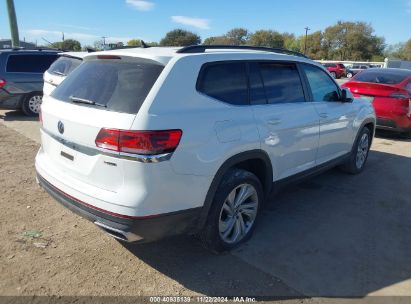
(337, 70)
(59, 70)
(148, 143)
(389, 91)
(355, 69)
(21, 78)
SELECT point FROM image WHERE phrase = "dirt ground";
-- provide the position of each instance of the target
(47, 250)
(335, 235)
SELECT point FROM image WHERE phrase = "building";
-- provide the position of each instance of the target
(6, 44)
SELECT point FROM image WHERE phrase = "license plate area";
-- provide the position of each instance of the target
(67, 156)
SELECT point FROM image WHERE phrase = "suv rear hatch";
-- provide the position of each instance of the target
(106, 91)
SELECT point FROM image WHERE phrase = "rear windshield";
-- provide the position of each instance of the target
(383, 77)
(111, 84)
(64, 65)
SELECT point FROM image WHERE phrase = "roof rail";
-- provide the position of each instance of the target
(203, 48)
(35, 49)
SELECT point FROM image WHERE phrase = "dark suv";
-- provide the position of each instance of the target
(21, 78)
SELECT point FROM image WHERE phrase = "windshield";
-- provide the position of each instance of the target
(112, 84)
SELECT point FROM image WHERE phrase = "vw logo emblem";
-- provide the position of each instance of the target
(60, 127)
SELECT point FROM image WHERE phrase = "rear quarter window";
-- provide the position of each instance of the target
(120, 86)
(29, 63)
(225, 81)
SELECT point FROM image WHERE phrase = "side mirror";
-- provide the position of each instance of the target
(346, 95)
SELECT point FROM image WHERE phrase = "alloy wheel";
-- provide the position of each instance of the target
(238, 213)
(362, 151)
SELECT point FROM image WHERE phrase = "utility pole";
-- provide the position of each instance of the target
(62, 38)
(306, 36)
(15, 41)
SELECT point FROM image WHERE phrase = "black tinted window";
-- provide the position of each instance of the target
(64, 65)
(382, 76)
(118, 86)
(282, 83)
(225, 81)
(29, 63)
(257, 92)
(322, 87)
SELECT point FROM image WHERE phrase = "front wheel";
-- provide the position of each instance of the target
(359, 154)
(31, 104)
(333, 75)
(234, 211)
(349, 75)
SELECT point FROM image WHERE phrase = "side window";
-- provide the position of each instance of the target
(257, 91)
(322, 87)
(225, 81)
(29, 63)
(282, 82)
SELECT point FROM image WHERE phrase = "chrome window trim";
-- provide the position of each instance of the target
(91, 151)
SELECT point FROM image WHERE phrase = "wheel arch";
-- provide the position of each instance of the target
(255, 161)
(367, 123)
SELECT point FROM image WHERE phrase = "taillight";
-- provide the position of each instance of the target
(2, 83)
(139, 142)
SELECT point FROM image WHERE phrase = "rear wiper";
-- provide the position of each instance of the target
(86, 101)
(59, 73)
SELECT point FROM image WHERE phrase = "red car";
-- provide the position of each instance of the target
(337, 70)
(390, 92)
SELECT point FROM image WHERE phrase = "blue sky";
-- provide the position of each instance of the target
(121, 20)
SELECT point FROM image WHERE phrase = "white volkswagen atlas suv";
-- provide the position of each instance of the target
(153, 142)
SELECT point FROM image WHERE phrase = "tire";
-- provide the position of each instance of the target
(350, 75)
(359, 154)
(31, 104)
(228, 226)
(333, 75)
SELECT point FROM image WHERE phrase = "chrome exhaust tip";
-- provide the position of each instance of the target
(119, 234)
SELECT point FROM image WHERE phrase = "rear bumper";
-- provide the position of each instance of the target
(398, 125)
(127, 228)
(10, 101)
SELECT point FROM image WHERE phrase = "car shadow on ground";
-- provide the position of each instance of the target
(383, 134)
(334, 235)
(16, 116)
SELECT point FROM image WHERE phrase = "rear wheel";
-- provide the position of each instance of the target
(234, 211)
(359, 155)
(349, 75)
(31, 104)
(334, 75)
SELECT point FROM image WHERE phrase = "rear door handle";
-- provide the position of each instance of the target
(274, 121)
(324, 115)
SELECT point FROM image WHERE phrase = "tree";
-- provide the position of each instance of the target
(352, 40)
(134, 42)
(315, 48)
(180, 37)
(69, 45)
(219, 40)
(267, 38)
(238, 36)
